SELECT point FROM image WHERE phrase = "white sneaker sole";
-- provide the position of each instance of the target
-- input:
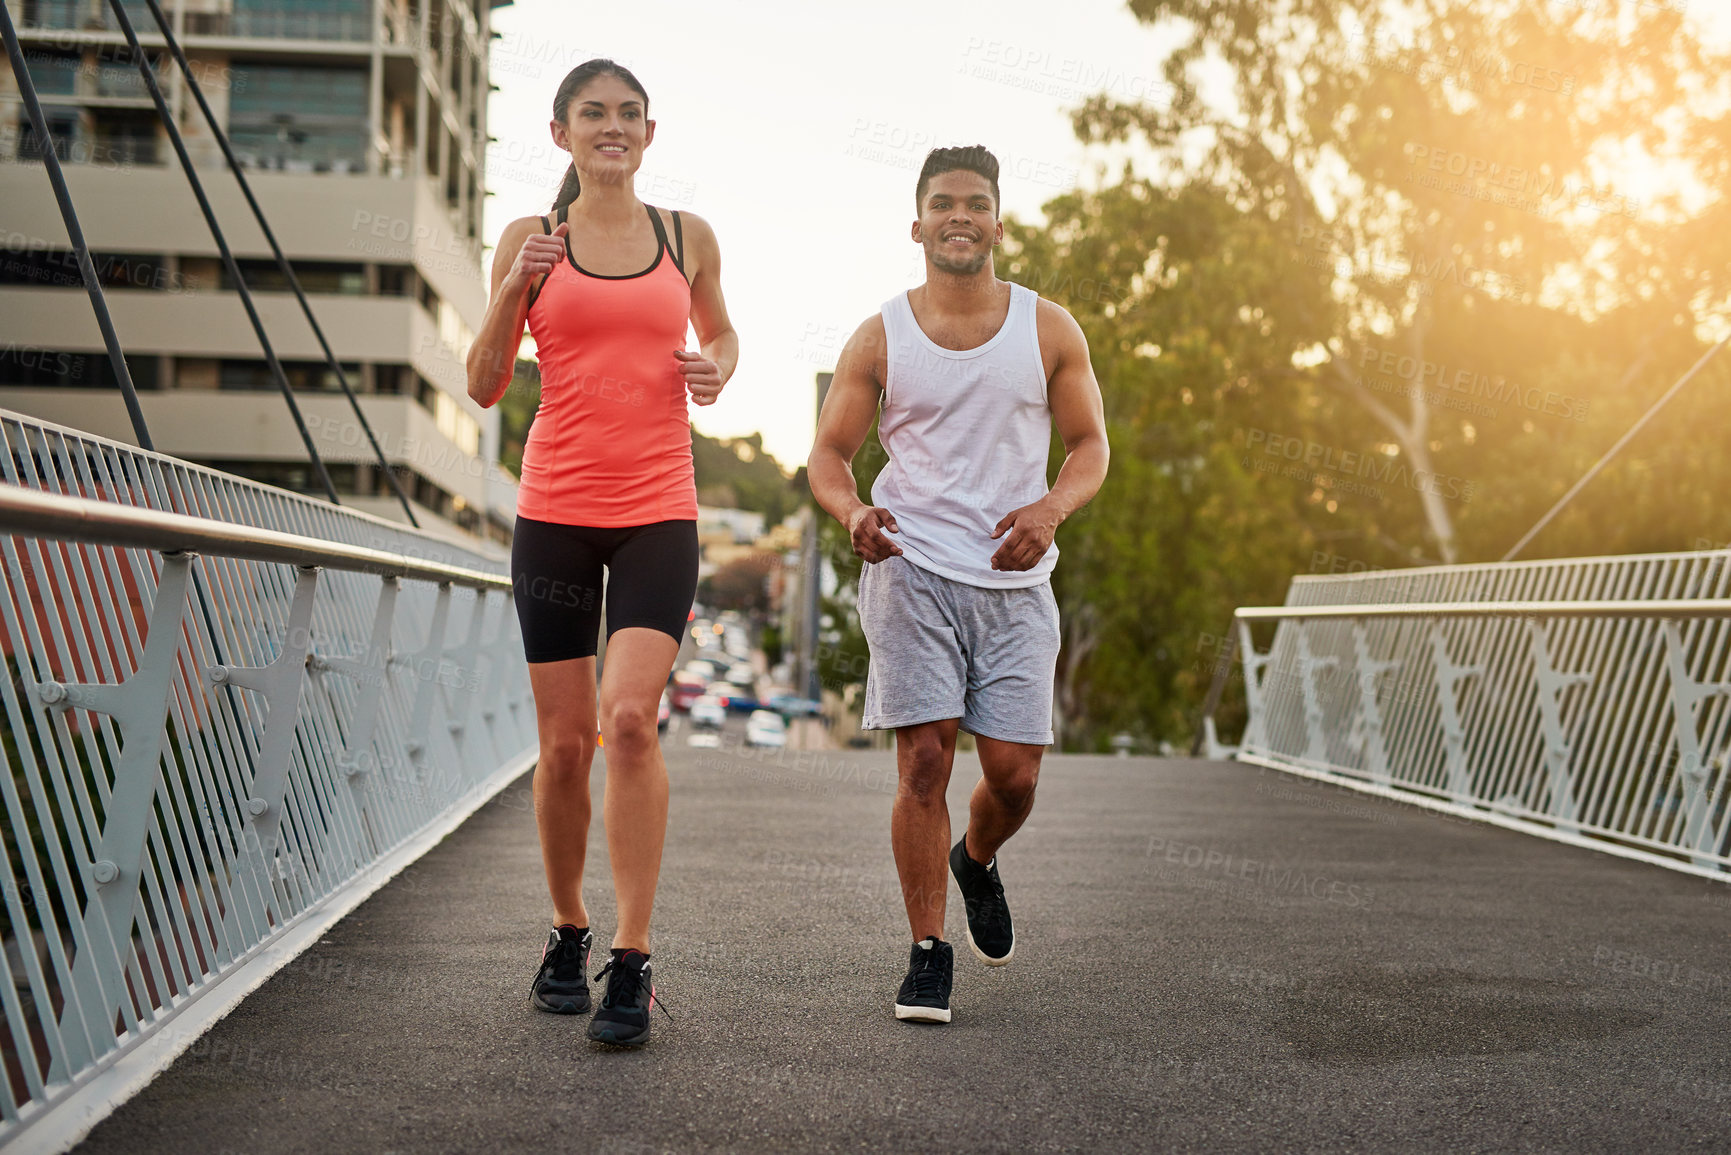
(988, 959)
(923, 1014)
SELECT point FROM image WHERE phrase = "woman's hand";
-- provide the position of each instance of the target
(540, 254)
(702, 376)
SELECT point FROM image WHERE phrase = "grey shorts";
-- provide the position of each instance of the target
(946, 649)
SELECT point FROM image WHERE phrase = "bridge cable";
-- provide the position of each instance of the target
(1615, 449)
(281, 260)
(75, 233)
(228, 260)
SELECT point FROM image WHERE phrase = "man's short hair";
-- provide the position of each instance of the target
(966, 158)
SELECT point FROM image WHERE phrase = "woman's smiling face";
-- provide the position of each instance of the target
(606, 129)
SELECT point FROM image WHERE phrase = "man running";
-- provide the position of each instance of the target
(955, 598)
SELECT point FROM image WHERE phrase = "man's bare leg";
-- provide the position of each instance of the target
(1003, 797)
(920, 821)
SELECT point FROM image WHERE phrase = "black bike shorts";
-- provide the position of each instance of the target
(556, 583)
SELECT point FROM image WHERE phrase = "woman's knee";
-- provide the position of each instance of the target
(629, 723)
(568, 751)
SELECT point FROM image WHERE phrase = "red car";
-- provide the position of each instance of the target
(687, 688)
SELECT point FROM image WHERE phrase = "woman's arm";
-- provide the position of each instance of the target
(707, 371)
(524, 253)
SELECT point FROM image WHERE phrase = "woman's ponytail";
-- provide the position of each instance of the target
(568, 189)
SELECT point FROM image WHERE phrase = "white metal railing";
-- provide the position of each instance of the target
(1584, 699)
(232, 713)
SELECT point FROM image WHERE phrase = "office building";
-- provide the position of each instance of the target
(362, 124)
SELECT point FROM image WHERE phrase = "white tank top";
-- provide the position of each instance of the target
(968, 432)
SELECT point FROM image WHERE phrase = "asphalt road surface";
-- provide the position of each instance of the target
(1209, 958)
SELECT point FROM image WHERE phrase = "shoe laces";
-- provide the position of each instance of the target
(929, 976)
(566, 959)
(990, 902)
(625, 985)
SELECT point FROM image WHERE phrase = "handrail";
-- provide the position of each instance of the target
(1659, 608)
(232, 712)
(104, 523)
(1586, 700)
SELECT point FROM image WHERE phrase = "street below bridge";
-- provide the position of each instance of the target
(1210, 957)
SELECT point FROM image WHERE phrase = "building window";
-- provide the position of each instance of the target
(58, 269)
(303, 376)
(62, 129)
(117, 74)
(123, 135)
(23, 366)
(314, 276)
(296, 475)
(304, 19)
(398, 281)
(53, 73)
(299, 119)
(450, 419)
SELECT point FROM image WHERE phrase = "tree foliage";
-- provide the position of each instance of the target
(1367, 293)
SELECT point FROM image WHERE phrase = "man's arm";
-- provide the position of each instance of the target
(1079, 416)
(848, 409)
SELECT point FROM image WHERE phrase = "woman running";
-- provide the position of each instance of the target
(606, 285)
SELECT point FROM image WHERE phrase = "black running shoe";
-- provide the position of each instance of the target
(623, 1017)
(989, 929)
(925, 993)
(562, 985)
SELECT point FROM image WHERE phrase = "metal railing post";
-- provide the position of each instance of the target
(1255, 710)
(1448, 673)
(1316, 748)
(279, 684)
(1369, 670)
(1552, 682)
(115, 873)
(1687, 694)
(427, 667)
(369, 671)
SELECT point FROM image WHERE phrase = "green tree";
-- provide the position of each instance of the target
(1279, 269)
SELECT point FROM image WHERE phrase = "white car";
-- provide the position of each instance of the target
(708, 711)
(741, 674)
(765, 728)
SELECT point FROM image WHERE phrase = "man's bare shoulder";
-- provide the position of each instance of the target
(866, 354)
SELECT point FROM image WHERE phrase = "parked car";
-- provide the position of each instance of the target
(736, 698)
(794, 706)
(742, 673)
(765, 728)
(703, 668)
(687, 688)
(709, 711)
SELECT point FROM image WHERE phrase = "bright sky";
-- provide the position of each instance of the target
(797, 130)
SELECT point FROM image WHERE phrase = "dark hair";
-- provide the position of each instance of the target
(968, 158)
(575, 81)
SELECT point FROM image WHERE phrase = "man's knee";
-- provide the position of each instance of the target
(1014, 784)
(923, 759)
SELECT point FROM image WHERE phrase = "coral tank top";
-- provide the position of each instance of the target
(611, 441)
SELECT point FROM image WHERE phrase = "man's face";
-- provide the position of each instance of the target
(958, 223)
